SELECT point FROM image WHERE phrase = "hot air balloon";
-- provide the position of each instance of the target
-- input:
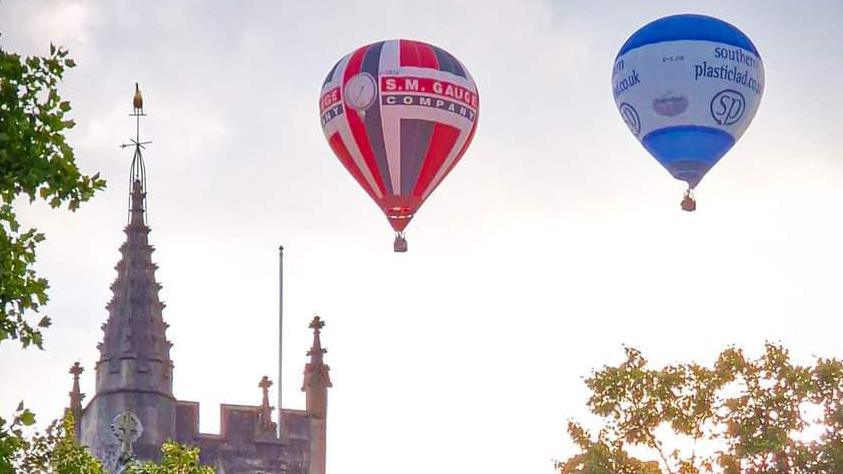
(399, 115)
(687, 87)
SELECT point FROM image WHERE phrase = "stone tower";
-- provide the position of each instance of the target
(134, 371)
(134, 374)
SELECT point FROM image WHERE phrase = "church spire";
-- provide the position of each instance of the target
(135, 353)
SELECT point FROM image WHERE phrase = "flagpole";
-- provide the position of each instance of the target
(280, 335)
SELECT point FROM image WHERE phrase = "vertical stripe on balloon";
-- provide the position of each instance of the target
(372, 117)
(356, 125)
(448, 63)
(345, 158)
(427, 57)
(331, 73)
(441, 142)
(457, 158)
(415, 140)
(409, 54)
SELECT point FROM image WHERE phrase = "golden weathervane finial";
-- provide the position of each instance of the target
(137, 101)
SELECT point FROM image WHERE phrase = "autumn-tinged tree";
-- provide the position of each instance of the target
(741, 416)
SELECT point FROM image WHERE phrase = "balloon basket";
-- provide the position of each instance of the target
(400, 244)
(688, 203)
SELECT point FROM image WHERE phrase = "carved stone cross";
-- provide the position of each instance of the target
(127, 428)
(76, 370)
(265, 383)
(317, 324)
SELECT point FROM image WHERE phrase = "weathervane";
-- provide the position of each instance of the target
(138, 170)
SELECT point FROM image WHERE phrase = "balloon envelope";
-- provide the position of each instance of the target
(399, 115)
(687, 87)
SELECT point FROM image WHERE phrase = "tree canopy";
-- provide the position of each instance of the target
(36, 162)
(56, 452)
(740, 416)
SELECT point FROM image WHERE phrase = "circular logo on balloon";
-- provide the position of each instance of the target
(630, 116)
(670, 105)
(360, 91)
(727, 107)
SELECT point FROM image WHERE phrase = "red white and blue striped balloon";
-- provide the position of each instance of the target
(399, 115)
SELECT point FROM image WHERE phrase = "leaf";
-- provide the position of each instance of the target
(27, 418)
(45, 322)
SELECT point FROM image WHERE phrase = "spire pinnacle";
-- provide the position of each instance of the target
(317, 379)
(316, 376)
(76, 396)
(316, 351)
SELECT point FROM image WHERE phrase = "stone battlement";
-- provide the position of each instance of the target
(243, 444)
(237, 423)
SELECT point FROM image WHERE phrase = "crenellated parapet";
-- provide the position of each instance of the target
(243, 445)
(297, 434)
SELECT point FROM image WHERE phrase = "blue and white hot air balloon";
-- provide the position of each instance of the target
(687, 87)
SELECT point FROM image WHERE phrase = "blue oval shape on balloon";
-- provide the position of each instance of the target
(688, 86)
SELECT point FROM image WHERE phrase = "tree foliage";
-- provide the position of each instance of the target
(176, 459)
(56, 452)
(753, 416)
(12, 440)
(35, 162)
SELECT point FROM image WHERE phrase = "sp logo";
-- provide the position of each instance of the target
(727, 107)
(630, 116)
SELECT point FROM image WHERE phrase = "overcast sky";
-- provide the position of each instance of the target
(555, 241)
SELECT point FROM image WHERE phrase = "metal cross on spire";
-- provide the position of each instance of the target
(137, 174)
